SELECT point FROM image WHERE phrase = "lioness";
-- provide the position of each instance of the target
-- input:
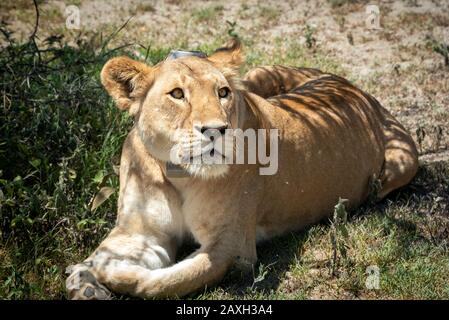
(333, 140)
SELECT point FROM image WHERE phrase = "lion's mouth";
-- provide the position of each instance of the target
(202, 151)
(213, 153)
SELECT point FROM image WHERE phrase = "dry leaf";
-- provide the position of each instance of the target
(101, 197)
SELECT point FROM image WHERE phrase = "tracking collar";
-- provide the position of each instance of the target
(175, 54)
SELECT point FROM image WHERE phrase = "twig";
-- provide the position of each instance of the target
(113, 34)
(36, 26)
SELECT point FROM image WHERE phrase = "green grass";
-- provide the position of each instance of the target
(206, 14)
(271, 14)
(339, 3)
(60, 138)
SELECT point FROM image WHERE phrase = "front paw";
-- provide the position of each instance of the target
(82, 285)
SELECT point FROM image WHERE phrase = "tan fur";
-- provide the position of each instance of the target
(333, 139)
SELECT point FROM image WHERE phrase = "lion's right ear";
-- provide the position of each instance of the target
(126, 81)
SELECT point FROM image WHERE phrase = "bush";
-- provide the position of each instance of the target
(58, 133)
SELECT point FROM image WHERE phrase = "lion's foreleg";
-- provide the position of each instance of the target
(205, 267)
(119, 251)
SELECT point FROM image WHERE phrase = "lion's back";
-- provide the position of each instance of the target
(331, 144)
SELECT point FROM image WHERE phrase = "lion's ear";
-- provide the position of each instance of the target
(126, 80)
(229, 56)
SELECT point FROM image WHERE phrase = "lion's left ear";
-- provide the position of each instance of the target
(229, 56)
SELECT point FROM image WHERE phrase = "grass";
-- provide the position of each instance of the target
(271, 14)
(60, 138)
(339, 3)
(206, 14)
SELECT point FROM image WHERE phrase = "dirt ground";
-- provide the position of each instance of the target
(394, 62)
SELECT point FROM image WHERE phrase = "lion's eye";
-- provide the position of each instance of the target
(223, 92)
(177, 93)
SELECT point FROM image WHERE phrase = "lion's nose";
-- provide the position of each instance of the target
(212, 127)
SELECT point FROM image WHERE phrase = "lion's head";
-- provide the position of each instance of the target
(177, 103)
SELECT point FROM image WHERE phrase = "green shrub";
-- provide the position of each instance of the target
(58, 133)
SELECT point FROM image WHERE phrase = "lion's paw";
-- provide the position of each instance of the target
(82, 285)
